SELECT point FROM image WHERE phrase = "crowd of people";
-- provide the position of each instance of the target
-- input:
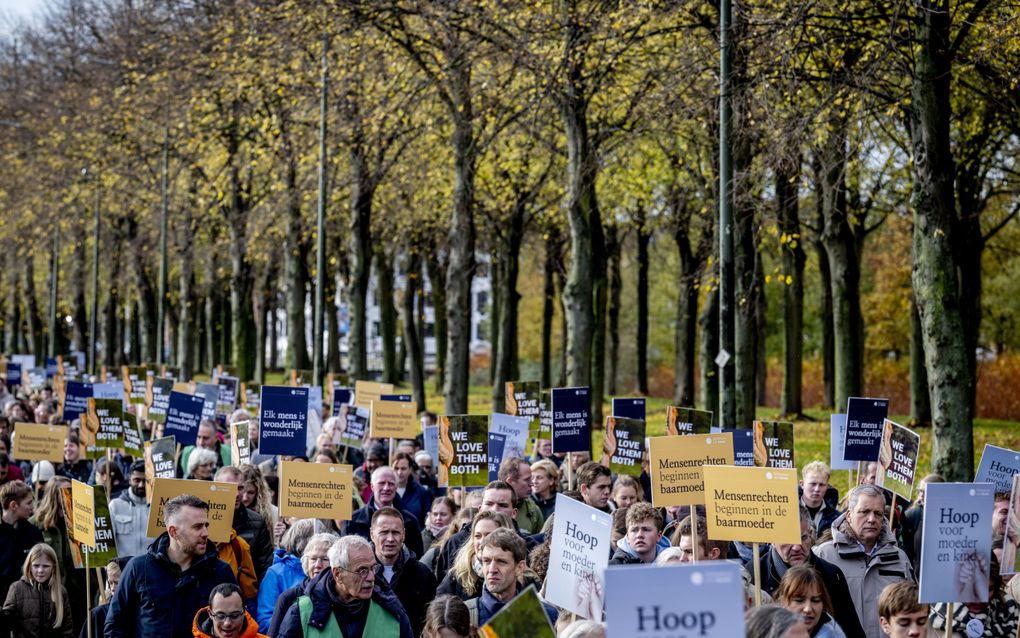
(416, 559)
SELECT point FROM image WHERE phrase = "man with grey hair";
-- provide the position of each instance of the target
(161, 591)
(346, 599)
(864, 549)
(384, 494)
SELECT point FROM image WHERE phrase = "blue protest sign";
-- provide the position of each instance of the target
(648, 601)
(837, 437)
(315, 399)
(183, 414)
(571, 431)
(956, 543)
(283, 420)
(13, 374)
(400, 398)
(51, 367)
(496, 444)
(743, 446)
(629, 408)
(341, 396)
(210, 393)
(865, 421)
(998, 465)
(76, 399)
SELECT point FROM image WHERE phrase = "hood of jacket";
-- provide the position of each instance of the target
(322, 591)
(843, 535)
(626, 553)
(202, 626)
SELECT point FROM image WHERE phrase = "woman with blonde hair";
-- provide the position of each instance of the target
(37, 605)
(255, 494)
(545, 478)
(464, 580)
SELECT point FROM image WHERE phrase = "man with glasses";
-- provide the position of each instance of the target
(225, 617)
(346, 601)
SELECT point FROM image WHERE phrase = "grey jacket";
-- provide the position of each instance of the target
(130, 516)
(866, 576)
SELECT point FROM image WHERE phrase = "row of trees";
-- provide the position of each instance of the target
(453, 129)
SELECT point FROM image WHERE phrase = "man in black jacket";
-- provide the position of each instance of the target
(17, 536)
(777, 559)
(384, 494)
(249, 524)
(399, 568)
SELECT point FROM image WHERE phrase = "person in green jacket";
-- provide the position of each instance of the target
(517, 473)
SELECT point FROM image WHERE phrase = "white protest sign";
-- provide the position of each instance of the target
(578, 557)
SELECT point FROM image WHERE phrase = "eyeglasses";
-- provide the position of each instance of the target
(223, 617)
(362, 573)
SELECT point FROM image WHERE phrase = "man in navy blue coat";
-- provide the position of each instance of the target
(160, 592)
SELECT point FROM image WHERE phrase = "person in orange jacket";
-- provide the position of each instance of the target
(225, 617)
(237, 553)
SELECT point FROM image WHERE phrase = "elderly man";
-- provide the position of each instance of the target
(346, 600)
(780, 557)
(384, 494)
(398, 567)
(864, 549)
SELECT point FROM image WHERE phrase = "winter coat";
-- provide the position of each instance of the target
(361, 524)
(827, 513)
(866, 575)
(416, 499)
(30, 611)
(414, 585)
(79, 471)
(529, 517)
(284, 574)
(15, 543)
(546, 506)
(828, 628)
(283, 605)
(773, 568)
(237, 554)
(999, 619)
(202, 626)
(326, 603)
(155, 599)
(625, 554)
(255, 531)
(130, 516)
(483, 608)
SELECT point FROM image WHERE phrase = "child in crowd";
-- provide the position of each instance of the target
(37, 605)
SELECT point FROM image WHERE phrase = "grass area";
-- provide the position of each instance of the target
(811, 435)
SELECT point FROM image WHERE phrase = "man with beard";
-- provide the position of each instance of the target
(780, 557)
(130, 514)
(864, 549)
(161, 591)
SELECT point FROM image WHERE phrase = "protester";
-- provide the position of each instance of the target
(997, 617)
(464, 579)
(74, 467)
(249, 524)
(461, 519)
(237, 553)
(130, 514)
(225, 617)
(516, 473)
(683, 539)
(161, 591)
(115, 481)
(9, 471)
(864, 549)
(448, 617)
(314, 559)
(913, 519)
(206, 439)
(439, 518)
(346, 598)
(398, 567)
(803, 592)
(375, 457)
(544, 481)
(899, 613)
(384, 494)
(286, 570)
(98, 615)
(773, 621)
(595, 484)
(503, 554)
(413, 497)
(644, 529)
(255, 494)
(17, 535)
(201, 465)
(1000, 513)
(818, 496)
(626, 491)
(37, 605)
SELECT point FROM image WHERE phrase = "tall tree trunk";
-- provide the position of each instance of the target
(36, 331)
(920, 399)
(496, 286)
(111, 338)
(332, 324)
(274, 350)
(825, 309)
(708, 325)
(12, 307)
(78, 311)
(135, 324)
(435, 262)
(844, 268)
(412, 269)
(936, 287)
(615, 290)
(643, 239)
(147, 294)
(506, 365)
(362, 193)
(296, 249)
(745, 341)
(549, 266)
(561, 281)
(211, 330)
(794, 258)
(761, 330)
(685, 331)
(387, 315)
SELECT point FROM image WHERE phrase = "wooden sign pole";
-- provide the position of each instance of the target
(88, 595)
(949, 620)
(757, 576)
(694, 534)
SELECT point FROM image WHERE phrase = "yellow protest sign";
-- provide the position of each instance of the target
(315, 490)
(83, 519)
(367, 391)
(677, 462)
(752, 504)
(393, 419)
(220, 497)
(32, 442)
